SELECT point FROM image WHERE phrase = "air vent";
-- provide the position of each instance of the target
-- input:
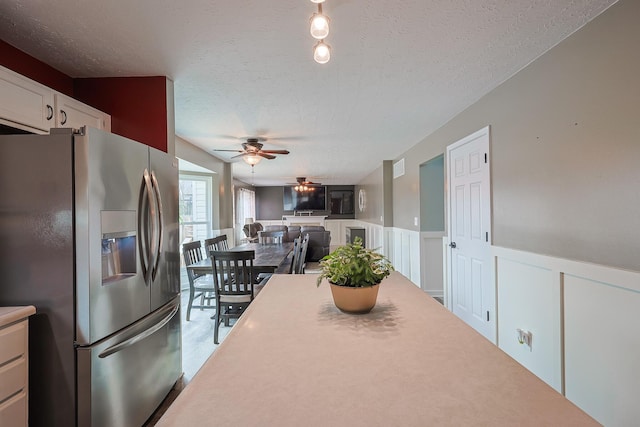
(398, 169)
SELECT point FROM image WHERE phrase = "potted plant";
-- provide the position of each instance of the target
(354, 273)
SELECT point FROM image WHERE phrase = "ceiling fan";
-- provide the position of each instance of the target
(252, 151)
(304, 185)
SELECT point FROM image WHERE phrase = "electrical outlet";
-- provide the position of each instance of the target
(525, 337)
(415, 220)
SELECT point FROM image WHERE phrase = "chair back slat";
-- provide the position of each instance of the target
(233, 273)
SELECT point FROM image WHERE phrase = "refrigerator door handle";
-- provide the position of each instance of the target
(145, 244)
(172, 308)
(159, 218)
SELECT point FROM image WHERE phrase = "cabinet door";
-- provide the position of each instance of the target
(71, 113)
(25, 103)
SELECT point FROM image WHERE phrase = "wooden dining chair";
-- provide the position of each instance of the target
(218, 243)
(200, 284)
(270, 236)
(233, 280)
(209, 245)
(302, 254)
(295, 254)
(221, 243)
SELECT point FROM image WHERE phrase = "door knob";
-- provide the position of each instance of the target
(453, 245)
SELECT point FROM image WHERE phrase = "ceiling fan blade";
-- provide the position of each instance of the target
(275, 151)
(265, 155)
(239, 155)
(234, 151)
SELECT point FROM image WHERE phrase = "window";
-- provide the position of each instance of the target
(195, 207)
(245, 207)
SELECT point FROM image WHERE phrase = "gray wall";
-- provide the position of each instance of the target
(432, 195)
(373, 187)
(565, 147)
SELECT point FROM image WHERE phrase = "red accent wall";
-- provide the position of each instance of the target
(137, 105)
(18, 61)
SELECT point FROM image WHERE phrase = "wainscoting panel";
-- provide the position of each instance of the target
(406, 253)
(431, 263)
(602, 349)
(593, 309)
(529, 300)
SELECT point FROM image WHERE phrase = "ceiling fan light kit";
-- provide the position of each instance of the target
(252, 152)
(251, 159)
(304, 185)
(319, 29)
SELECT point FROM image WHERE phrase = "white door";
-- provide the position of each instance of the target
(471, 293)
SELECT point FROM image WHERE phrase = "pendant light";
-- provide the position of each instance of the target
(319, 25)
(321, 52)
(319, 29)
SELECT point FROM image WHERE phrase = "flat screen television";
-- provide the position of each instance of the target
(315, 200)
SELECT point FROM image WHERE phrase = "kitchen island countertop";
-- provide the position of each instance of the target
(293, 359)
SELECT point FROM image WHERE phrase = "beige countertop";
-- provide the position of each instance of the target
(13, 314)
(293, 359)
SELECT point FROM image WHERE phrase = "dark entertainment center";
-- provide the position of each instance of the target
(334, 201)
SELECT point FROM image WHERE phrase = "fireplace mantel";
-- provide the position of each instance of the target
(303, 220)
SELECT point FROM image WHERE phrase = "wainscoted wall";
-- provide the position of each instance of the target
(585, 331)
(432, 249)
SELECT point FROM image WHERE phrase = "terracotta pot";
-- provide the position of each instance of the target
(354, 300)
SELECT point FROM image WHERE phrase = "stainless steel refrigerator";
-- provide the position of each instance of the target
(89, 236)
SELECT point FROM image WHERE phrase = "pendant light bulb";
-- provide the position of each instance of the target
(321, 52)
(319, 26)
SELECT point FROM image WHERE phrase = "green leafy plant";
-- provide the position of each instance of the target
(354, 266)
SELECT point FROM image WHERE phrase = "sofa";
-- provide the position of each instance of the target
(290, 232)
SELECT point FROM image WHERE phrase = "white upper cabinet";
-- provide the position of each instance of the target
(24, 103)
(28, 105)
(74, 114)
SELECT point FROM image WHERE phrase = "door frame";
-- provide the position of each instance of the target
(448, 291)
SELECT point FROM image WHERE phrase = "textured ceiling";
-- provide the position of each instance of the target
(399, 69)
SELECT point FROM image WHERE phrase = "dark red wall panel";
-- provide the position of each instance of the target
(18, 61)
(138, 105)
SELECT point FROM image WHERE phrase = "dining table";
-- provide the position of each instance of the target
(294, 359)
(269, 258)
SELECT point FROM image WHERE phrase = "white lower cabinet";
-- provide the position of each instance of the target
(14, 374)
